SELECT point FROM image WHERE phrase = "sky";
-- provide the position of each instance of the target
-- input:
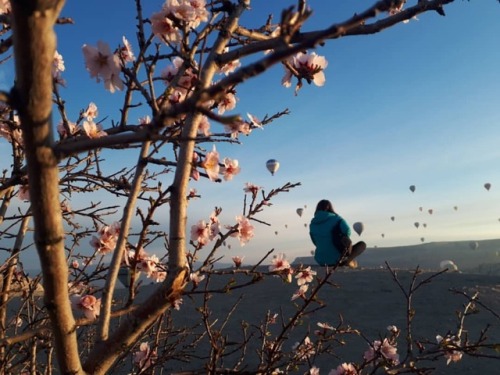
(416, 104)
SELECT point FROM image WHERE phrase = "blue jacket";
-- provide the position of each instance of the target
(320, 230)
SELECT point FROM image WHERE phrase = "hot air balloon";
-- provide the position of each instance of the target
(487, 186)
(276, 232)
(425, 225)
(422, 239)
(417, 224)
(358, 227)
(383, 235)
(473, 245)
(412, 188)
(305, 225)
(449, 265)
(299, 211)
(420, 209)
(272, 166)
(392, 218)
(455, 208)
(286, 225)
(430, 211)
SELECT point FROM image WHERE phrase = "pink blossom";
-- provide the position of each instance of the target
(227, 103)
(159, 276)
(230, 66)
(237, 260)
(325, 326)
(66, 207)
(196, 278)
(176, 304)
(193, 193)
(192, 12)
(16, 321)
(145, 357)
(214, 228)
(450, 343)
(279, 263)
(125, 52)
(305, 349)
(204, 126)
(11, 130)
(171, 71)
(24, 192)
(305, 276)
(314, 370)
(272, 318)
(383, 348)
(103, 64)
(148, 265)
(251, 188)
(307, 66)
(177, 96)
(87, 304)
(113, 82)
(91, 112)
(301, 292)
(105, 242)
(236, 127)
(211, 164)
(93, 130)
(230, 169)
(344, 369)
(395, 9)
(195, 174)
(393, 329)
(200, 233)
(57, 68)
(164, 28)
(244, 230)
(254, 121)
(133, 256)
(75, 264)
(146, 120)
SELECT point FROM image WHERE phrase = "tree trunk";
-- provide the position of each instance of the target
(34, 47)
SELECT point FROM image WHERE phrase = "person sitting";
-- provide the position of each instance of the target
(321, 232)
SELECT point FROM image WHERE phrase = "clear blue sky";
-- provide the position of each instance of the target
(417, 104)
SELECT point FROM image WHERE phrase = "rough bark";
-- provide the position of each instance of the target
(34, 47)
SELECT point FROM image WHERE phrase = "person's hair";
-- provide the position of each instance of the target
(325, 205)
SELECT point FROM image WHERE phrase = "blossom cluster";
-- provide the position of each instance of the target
(382, 351)
(150, 265)
(304, 276)
(450, 344)
(86, 304)
(144, 357)
(308, 66)
(103, 64)
(204, 232)
(105, 241)
(88, 127)
(212, 166)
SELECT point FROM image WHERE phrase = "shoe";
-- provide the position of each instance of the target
(353, 264)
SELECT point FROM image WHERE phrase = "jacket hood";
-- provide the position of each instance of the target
(322, 216)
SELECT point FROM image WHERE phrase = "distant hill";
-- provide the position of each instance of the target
(485, 259)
